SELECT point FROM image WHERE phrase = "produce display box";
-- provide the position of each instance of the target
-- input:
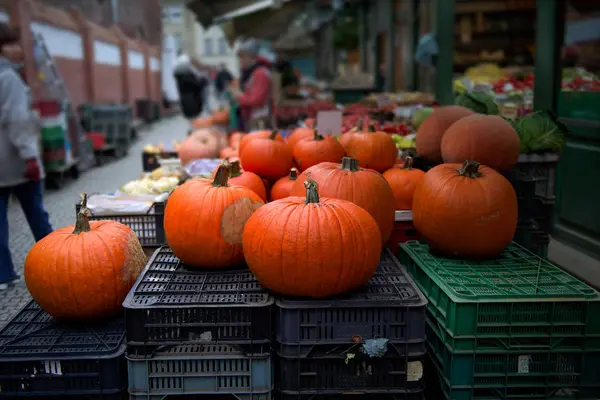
(342, 369)
(389, 306)
(200, 369)
(150, 160)
(349, 395)
(544, 214)
(404, 230)
(515, 295)
(149, 227)
(42, 357)
(524, 186)
(541, 167)
(170, 304)
(568, 365)
(524, 233)
(539, 244)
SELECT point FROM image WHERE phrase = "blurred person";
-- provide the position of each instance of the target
(223, 79)
(254, 95)
(191, 85)
(21, 170)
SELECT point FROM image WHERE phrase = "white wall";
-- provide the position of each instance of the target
(107, 53)
(215, 34)
(135, 60)
(60, 42)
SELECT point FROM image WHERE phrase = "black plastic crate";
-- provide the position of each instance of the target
(150, 160)
(418, 395)
(341, 371)
(524, 186)
(149, 227)
(42, 357)
(544, 214)
(171, 303)
(389, 306)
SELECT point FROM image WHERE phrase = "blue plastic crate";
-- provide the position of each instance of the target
(197, 369)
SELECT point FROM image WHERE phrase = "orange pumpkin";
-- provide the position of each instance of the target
(299, 134)
(202, 122)
(372, 149)
(299, 246)
(310, 122)
(345, 137)
(364, 187)
(86, 270)
(487, 139)
(283, 187)
(204, 220)
(245, 178)
(200, 144)
(268, 158)
(228, 152)
(221, 116)
(430, 132)
(235, 138)
(258, 135)
(403, 182)
(465, 211)
(317, 149)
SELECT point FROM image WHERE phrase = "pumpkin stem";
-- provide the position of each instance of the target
(470, 169)
(350, 164)
(312, 191)
(408, 163)
(293, 174)
(222, 175)
(372, 128)
(82, 224)
(235, 169)
(273, 134)
(317, 136)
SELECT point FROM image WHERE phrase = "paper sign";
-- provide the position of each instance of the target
(383, 100)
(329, 122)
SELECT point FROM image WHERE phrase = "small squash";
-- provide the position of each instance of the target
(201, 143)
(268, 157)
(465, 211)
(259, 135)
(345, 136)
(204, 220)
(312, 246)
(86, 270)
(403, 182)
(364, 187)
(372, 149)
(248, 179)
(487, 139)
(221, 116)
(283, 187)
(317, 149)
(299, 134)
(228, 152)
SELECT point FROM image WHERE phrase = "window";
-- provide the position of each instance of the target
(172, 14)
(223, 46)
(178, 42)
(208, 47)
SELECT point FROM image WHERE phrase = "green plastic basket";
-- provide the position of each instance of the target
(517, 294)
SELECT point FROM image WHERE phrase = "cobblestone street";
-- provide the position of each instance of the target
(61, 203)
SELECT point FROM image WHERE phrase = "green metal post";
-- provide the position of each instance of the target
(391, 46)
(416, 31)
(548, 42)
(445, 60)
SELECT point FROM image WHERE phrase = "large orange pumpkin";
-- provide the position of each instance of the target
(245, 178)
(228, 152)
(258, 135)
(201, 143)
(86, 270)
(465, 211)
(317, 149)
(429, 134)
(269, 158)
(235, 138)
(487, 139)
(364, 187)
(311, 246)
(372, 149)
(403, 182)
(283, 187)
(345, 136)
(204, 220)
(299, 134)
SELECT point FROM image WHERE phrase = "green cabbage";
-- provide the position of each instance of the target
(540, 131)
(480, 102)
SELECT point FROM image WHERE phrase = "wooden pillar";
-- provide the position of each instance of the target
(548, 43)
(445, 60)
(89, 58)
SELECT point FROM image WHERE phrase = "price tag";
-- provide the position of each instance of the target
(383, 100)
(523, 364)
(329, 122)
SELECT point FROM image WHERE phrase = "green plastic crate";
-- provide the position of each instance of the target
(516, 294)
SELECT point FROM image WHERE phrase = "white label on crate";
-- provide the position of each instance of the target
(414, 371)
(523, 367)
(52, 367)
(329, 122)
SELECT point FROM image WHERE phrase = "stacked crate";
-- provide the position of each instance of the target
(512, 327)
(370, 342)
(197, 332)
(40, 357)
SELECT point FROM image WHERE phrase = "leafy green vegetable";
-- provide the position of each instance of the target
(540, 131)
(480, 102)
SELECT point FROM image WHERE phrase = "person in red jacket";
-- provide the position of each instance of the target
(254, 95)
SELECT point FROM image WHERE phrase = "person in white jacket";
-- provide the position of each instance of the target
(21, 170)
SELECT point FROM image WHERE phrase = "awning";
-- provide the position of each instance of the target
(207, 11)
